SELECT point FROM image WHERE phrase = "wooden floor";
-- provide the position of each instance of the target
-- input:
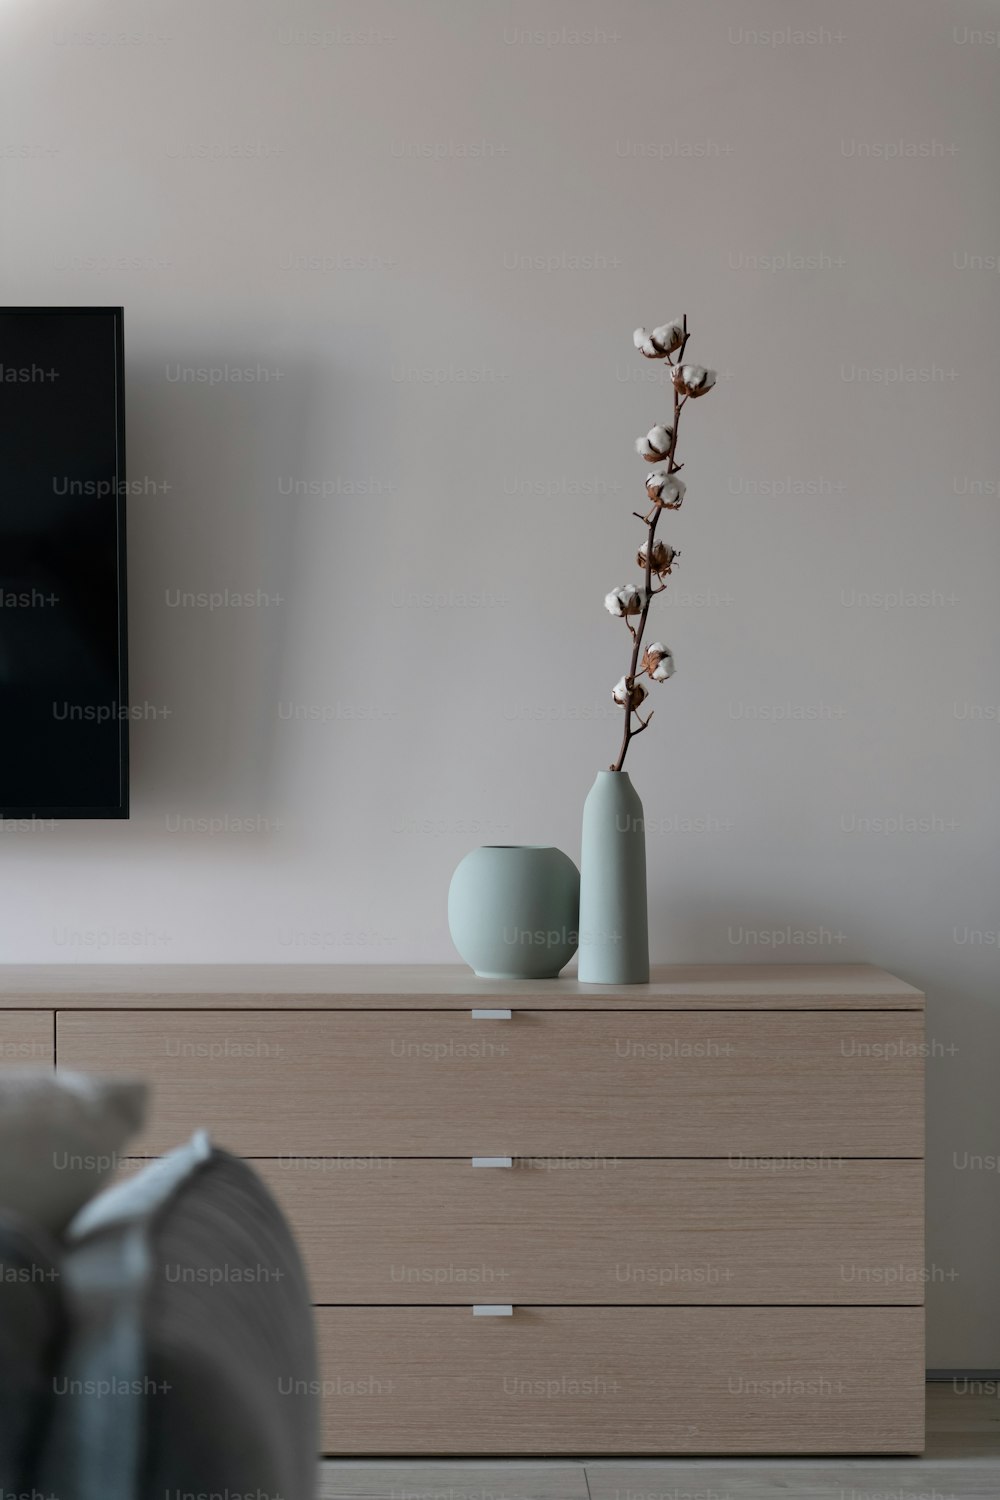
(962, 1462)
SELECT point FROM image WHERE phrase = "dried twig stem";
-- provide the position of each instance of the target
(648, 590)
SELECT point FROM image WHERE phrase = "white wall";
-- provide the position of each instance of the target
(353, 198)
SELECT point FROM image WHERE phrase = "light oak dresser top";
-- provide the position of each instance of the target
(445, 987)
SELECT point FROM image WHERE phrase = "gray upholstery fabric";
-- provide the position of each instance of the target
(234, 1342)
(30, 1327)
(191, 1325)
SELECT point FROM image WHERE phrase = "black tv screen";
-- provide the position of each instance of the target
(63, 677)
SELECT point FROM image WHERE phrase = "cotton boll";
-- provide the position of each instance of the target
(666, 489)
(661, 342)
(658, 661)
(664, 557)
(655, 446)
(624, 601)
(648, 344)
(620, 693)
(669, 336)
(692, 380)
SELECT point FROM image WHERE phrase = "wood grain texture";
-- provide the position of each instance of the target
(388, 1230)
(446, 986)
(27, 1039)
(961, 1461)
(542, 1084)
(622, 1380)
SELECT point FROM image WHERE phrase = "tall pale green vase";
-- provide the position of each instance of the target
(614, 923)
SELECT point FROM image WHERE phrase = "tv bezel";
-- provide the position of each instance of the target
(11, 812)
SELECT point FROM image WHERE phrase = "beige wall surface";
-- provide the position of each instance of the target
(381, 261)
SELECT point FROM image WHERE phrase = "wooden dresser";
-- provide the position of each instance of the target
(545, 1218)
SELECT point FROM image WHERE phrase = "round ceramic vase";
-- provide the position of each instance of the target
(513, 911)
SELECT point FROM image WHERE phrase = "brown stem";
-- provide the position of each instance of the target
(651, 525)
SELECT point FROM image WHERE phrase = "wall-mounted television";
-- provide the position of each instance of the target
(63, 660)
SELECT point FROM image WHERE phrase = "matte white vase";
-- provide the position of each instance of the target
(614, 922)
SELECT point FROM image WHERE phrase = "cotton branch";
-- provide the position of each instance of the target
(665, 492)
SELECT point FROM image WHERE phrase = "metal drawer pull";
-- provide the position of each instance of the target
(492, 1310)
(491, 1015)
(492, 1161)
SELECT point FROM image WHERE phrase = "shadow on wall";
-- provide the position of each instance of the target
(211, 590)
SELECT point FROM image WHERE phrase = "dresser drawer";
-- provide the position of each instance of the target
(27, 1038)
(397, 1231)
(616, 1380)
(541, 1084)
